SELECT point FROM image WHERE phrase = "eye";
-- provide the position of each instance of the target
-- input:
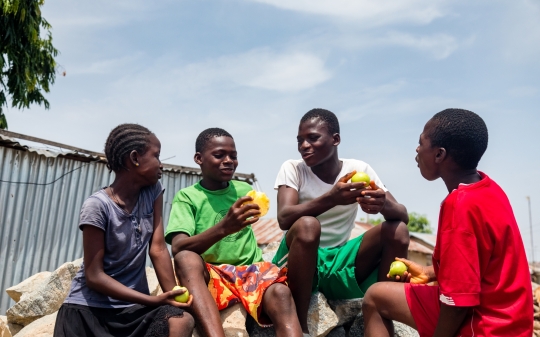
(218, 155)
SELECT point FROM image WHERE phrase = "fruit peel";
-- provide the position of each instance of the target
(182, 298)
(397, 268)
(260, 199)
(361, 177)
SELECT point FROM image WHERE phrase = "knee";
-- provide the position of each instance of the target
(278, 299)
(396, 232)
(307, 230)
(369, 302)
(184, 323)
(186, 262)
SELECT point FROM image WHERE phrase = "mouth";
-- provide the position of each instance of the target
(307, 155)
(227, 170)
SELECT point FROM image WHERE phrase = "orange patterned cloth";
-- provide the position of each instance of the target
(246, 284)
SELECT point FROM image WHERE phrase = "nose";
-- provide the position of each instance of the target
(417, 148)
(303, 145)
(227, 159)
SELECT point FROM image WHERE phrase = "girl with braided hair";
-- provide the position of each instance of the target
(109, 296)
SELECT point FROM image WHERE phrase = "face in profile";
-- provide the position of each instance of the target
(150, 167)
(426, 155)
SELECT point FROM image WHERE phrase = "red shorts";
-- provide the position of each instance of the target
(423, 301)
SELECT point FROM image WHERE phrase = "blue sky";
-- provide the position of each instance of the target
(255, 67)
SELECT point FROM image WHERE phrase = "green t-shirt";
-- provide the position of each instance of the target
(196, 209)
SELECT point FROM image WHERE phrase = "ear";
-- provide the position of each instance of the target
(197, 158)
(440, 155)
(337, 139)
(134, 158)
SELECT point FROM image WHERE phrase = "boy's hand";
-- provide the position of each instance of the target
(240, 216)
(168, 298)
(373, 199)
(415, 273)
(344, 193)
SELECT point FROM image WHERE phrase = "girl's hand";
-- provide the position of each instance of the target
(168, 298)
(415, 273)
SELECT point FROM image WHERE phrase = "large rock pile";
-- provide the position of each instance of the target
(39, 297)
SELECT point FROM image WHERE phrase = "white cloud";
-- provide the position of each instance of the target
(366, 12)
(261, 68)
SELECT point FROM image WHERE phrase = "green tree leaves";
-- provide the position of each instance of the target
(419, 223)
(26, 55)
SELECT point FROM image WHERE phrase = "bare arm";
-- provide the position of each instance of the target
(159, 254)
(98, 280)
(238, 217)
(289, 210)
(375, 200)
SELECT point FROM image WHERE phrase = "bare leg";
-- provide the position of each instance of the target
(303, 241)
(380, 246)
(383, 303)
(278, 304)
(192, 274)
(181, 326)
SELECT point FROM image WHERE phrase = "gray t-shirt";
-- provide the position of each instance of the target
(126, 242)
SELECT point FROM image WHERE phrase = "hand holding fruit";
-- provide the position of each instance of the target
(373, 198)
(408, 271)
(345, 193)
(178, 297)
(241, 214)
(260, 199)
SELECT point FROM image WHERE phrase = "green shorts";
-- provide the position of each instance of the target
(335, 270)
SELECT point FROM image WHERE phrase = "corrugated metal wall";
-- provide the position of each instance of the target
(39, 216)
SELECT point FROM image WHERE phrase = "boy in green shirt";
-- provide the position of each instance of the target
(210, 220)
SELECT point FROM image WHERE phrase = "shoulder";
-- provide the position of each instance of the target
(97, 201)
(293, 165)
(185, 193)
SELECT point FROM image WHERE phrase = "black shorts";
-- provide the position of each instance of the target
(75, 320)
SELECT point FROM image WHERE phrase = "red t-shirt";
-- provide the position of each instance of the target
(480, 261)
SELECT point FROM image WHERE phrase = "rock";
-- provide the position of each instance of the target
(262, 332)
(13, 328)
(153, 283)
(270, 251)
(536, 325)
(4, 329)
(27, 286)
(233, 320)
(337, 332)
(346, 310)
(400, 329)
(43, 327)
(403, 330)
(321, 318)
(45, 299)
(537, 295)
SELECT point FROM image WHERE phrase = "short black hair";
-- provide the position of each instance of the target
(206, 135)
(121, 141)
(324, 115)
(462, 133)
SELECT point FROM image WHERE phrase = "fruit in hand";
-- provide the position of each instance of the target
(361, 177)
(182, 298)
(260, 199)
(397, 268)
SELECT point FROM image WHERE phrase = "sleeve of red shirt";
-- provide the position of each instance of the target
(459, 266)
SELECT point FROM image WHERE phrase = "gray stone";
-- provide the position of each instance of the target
(13, 328)
(45, 299)
(321, 318)
(400, 329)
(27, 286)
(270, 251)
(43, 327)
(346, 310)
(337, 332)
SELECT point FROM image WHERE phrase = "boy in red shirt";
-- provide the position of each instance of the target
(484, 286)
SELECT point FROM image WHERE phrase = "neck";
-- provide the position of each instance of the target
(213, 185)
(460, 176)
(126, 189)
(328, 170)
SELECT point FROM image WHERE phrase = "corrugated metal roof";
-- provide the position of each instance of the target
(267, 231)
(41, 192)
(428, 240)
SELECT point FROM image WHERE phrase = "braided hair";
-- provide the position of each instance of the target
(206, 135)
(462, 133)
(121, 141)
(326, 116)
